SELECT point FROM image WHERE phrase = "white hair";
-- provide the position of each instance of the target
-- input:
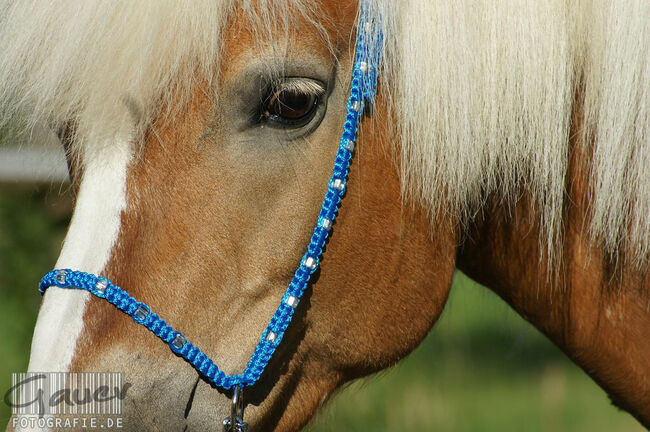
(83, 61)
(483, 91)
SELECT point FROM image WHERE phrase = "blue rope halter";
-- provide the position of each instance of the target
(364, 83)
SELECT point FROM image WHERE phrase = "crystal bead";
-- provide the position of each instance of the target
(355, 106)
(338, 185)
(141, 313)
(100, 286)
(60, 277)
(310, 263)
(292, 301)
(326, 224)
(179, 341)
(363, 67)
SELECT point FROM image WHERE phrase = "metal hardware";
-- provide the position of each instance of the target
(236, 423)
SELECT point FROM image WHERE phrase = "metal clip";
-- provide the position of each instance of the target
(236, 423)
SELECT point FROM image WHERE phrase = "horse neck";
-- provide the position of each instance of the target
(593, 306)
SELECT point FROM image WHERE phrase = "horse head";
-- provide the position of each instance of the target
(204, 215)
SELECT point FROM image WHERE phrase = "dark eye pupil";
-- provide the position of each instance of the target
(290, 105)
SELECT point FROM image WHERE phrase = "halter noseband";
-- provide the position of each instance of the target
(364, 84)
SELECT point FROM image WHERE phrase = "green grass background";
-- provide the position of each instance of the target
(482, 368)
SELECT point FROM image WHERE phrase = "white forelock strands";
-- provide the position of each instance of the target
(482, 91)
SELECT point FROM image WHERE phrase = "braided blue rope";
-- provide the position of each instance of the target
(364, 82)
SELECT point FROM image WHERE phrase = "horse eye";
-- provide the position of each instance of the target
(290, 106)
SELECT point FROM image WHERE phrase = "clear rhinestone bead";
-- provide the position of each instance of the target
(60, 276)
(326, 224)
(100, 286)
(363, 67)
(179, 341)
(338, 184)
(349, 145)
(310, 263)
(271, 336)
(355, 106)
(141, 313)
(292, 301)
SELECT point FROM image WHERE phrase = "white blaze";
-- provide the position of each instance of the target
(91, 236)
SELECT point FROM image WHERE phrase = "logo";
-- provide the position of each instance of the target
(66, 393)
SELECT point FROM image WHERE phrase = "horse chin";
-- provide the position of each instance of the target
(161, 392)
(176, 398)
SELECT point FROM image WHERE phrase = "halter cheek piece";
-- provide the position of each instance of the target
(364, 84)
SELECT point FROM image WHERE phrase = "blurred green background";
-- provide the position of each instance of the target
(482, 368)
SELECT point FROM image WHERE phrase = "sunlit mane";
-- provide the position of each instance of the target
(483, 91)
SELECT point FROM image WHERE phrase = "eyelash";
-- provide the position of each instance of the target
(297, 108)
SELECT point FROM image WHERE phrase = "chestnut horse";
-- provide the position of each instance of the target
(509, 139)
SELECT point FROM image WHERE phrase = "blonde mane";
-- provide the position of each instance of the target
(482, 91)
(485, 92)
